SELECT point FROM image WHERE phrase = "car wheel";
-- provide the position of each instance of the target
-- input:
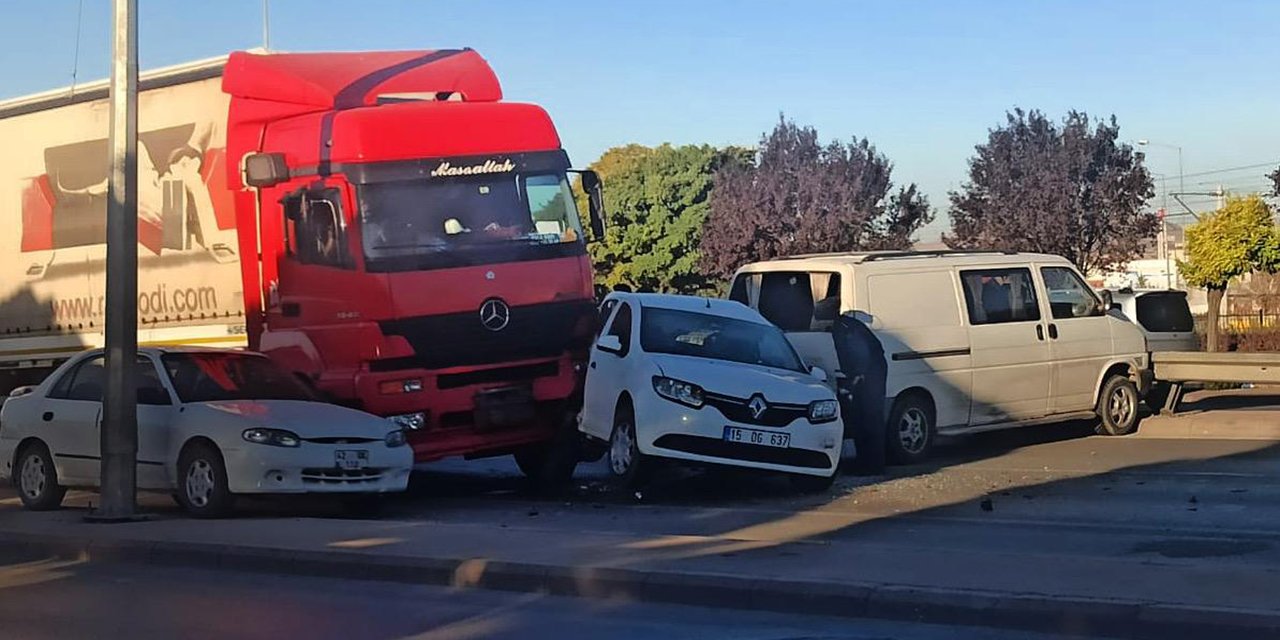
(811, 484)
(37, 480)
(1157, 396)
(627, 466)
(910, 429)
(202, 482)
(1118, 407)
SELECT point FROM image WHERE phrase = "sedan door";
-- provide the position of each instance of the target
(155, 417)
(606, 372)
(70, 420)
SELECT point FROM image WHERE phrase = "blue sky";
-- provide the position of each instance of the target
(924, 80)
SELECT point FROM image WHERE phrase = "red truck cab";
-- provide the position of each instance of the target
(421, 253)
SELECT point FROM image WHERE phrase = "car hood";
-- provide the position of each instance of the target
(744, 380)
(307, 419)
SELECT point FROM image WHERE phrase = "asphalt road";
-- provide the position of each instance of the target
(42, 600)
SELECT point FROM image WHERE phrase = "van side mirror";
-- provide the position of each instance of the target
(1108, 302)
(818, 373)
(594, 189)
(609, 344)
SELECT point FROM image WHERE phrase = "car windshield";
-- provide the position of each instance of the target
(210, 377)
(426, 218)
(704, 335)
(1164, 312)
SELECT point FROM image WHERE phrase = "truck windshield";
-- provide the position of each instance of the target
(702, 335)
(213, 377)
(417, 224)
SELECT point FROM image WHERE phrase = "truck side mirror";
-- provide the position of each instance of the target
(594, 189)
(265, 169)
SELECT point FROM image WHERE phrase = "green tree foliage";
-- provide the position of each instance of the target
(1237, 239)
(655, 203)
(801, 196)
(1072, 190)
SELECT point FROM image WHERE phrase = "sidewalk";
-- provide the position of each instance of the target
(1138, 596)
(1230, 414)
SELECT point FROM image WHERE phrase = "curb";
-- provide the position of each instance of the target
(1032, 612)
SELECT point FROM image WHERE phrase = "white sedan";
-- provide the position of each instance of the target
(211, 425)
(708, 381)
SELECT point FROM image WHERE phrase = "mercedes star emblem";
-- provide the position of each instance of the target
(757, 406)
(495, 314)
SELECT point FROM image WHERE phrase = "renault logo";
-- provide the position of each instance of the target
(495, 314)
(757, 406)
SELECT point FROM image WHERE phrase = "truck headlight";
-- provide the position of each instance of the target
(410, 421)
(686, 393)
(272, 437)
(823, 410)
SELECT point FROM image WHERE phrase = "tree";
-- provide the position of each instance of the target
(1239, 238)
(656, 202)
(800, 196)
(1070, 190)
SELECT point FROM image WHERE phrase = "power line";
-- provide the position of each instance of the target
(75, 60)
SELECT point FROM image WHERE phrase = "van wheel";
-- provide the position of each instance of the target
(37, 480)
(910, 430)
(1118, 407)
(628, 468)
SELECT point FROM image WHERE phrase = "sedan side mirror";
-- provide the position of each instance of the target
(609, 344)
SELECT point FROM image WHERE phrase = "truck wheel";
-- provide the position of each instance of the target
(37, 480)
(1118, 407)
(551, 465)
(202, 482)
(910, 429)
(628, 468)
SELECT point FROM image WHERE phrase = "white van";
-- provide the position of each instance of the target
(974, 340)
(1163, 315)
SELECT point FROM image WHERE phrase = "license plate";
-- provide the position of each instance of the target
(351, 458)
(756, 436)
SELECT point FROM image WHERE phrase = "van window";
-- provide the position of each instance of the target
(1069, 296)
(995, 296)
(1164, 312)
(788, 298)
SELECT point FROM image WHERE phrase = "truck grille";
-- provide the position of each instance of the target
(458, 339)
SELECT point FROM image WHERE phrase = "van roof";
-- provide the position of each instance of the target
(948, 257)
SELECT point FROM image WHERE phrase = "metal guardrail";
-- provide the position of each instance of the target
(1180, 367)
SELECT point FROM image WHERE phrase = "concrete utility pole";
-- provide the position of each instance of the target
(119, 407)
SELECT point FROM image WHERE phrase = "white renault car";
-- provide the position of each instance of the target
(211, 425)
(706, 381)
